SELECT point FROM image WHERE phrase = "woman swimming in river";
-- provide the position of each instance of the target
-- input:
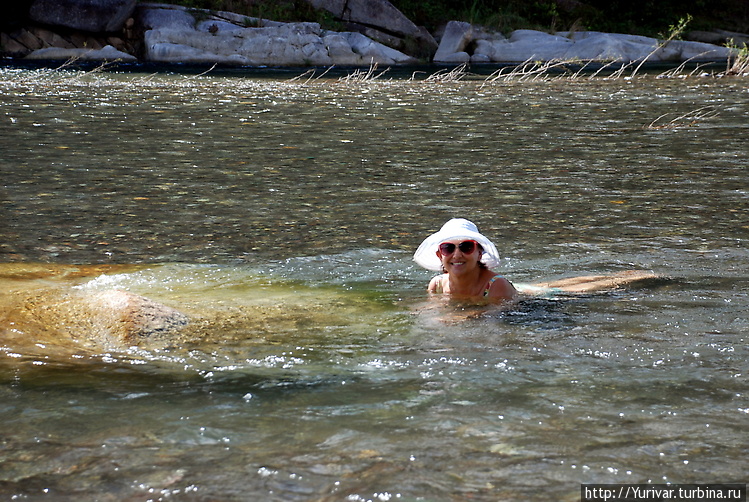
(465, 257)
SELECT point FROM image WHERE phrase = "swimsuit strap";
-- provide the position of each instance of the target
(489, 284)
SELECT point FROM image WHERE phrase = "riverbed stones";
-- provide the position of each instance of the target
(49, 305)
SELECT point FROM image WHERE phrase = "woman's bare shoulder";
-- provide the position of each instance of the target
(435, 285)
(502, 289)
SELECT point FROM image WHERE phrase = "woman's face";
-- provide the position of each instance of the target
(459, 256)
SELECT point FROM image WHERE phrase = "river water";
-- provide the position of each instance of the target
(281, 215)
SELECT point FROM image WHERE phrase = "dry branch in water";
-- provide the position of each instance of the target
(688, 119)
(364, 76)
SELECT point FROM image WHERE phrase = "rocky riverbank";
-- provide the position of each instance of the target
(126, 31)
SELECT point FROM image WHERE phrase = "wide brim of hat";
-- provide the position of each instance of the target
(426, 253)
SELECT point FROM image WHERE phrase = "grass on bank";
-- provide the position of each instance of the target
(739, 65)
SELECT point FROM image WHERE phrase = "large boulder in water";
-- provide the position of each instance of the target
(96, 16)
(127, 319)
(41, 306)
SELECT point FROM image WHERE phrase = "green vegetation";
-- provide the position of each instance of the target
(739, 65)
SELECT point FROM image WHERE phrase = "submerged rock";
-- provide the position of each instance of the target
(62, 311)
(44, 305)
(109, 320)
(127, 319)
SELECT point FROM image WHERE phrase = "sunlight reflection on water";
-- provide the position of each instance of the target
(282, 216)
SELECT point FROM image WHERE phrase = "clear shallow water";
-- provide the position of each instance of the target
(282, 217)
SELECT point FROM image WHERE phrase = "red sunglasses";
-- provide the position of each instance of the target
(466, 247)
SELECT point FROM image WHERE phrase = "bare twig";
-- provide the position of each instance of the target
(688, 119)
(364, 76)
(311, 74)
(738, 65)
(453, 75)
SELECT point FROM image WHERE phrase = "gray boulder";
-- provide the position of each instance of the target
(174, 36)
(719, 37)
(12, 47)
(454, 41)
(380, 20)
(107, 53)
(371, 52)
(682, 50)
(96, 16)
(531, 45)
(597, 46)
(248, 46)
(156, 16)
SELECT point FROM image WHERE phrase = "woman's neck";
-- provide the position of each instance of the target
(468, 284)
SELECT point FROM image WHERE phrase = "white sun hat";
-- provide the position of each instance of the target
(457, 228)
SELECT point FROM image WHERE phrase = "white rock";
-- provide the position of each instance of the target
(480, 58)
(221, 26)
(609, 47)
(152, 17)
(484, 48)
(582, 35)
(280, 44)
(340, 50)
(682, 50)
(455, 39)
(170, 53)
(374, 52)
(456, 57)
(106, 53)
(524, 45)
